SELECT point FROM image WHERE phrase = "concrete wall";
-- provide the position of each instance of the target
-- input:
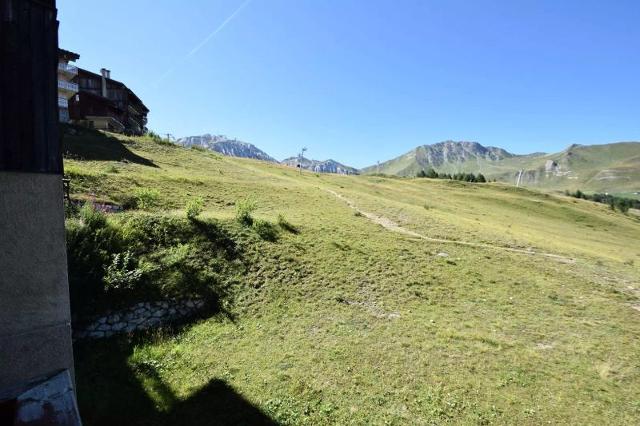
(35, 328)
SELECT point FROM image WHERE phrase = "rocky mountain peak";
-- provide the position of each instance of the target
(226, 146)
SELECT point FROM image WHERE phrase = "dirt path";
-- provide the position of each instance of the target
(394, 227)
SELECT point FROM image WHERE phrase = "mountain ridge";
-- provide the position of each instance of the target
(612, 167)
(326, 166)
(226, 146)
(236, 148)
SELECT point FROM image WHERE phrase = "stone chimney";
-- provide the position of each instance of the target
(105, 75)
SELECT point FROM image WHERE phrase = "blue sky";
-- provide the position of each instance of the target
(364, 80)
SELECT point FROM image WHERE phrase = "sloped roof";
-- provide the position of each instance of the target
(68, 55)
(118, 83)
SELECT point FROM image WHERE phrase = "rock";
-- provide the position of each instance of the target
(152, 321)
(140, 316)
(443, 254)
(119, 326)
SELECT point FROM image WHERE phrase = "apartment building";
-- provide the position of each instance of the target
(107, 104)
(67, 87)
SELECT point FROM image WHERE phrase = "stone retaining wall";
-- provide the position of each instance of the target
(140, 316)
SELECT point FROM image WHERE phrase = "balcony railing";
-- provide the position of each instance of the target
(63, 102)
(68, 68)
(65, 85)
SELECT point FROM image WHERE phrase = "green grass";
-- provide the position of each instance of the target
(346, 322)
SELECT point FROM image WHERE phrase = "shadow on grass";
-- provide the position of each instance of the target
(114, 391)
(86, 144)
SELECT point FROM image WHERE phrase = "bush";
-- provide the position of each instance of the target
(122, 273)
(91, 243)
(244, 208)
(145, 257)
(146, 198)
(153, 135)
(286, 225)
(614, 202)
(265, 230)
(92, 217)
(194, 208)
(158, 139)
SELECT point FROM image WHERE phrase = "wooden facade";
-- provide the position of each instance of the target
(29, 139)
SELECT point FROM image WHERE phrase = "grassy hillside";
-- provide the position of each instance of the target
(375, 310)
(613, 168)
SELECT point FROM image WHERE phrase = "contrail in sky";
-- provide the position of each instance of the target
(200, 45)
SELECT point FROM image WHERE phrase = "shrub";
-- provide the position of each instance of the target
(92, 217)
(153, 135)
(144, 257)
(158, 139)
(614, 202)
(286, 225)
(91, 243)
(71, 209)
(244, 208)
(146, 198)
(194, 208)
(122, 273)
(265, 230)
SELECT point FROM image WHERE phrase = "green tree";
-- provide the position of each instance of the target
(432, 173)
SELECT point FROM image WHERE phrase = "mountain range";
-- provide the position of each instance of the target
(611, 167)
(226, 146)
(327, 166)
(236, 148)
